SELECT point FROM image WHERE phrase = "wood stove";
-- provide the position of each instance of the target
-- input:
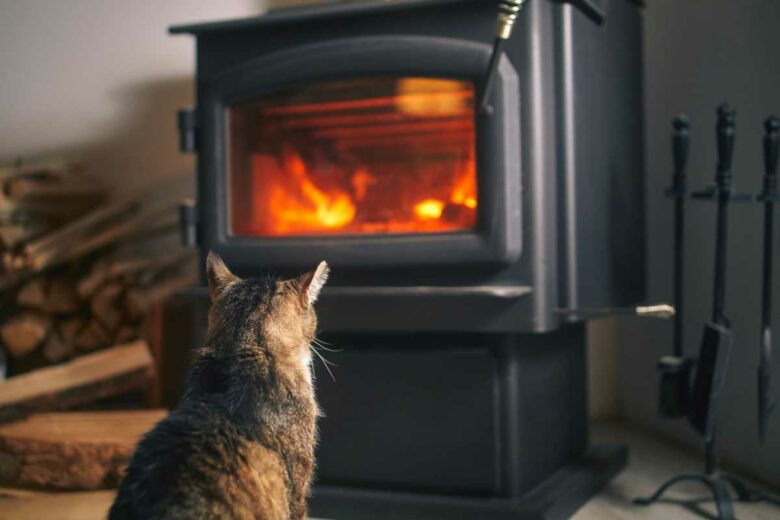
(350, 132)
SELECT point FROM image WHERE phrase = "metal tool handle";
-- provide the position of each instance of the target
(681, 134)
(507, 15)
(771, 147)
(724, 131)
(661, 311)
(766, 402)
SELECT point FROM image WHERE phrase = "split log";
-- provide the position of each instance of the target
(93, 336)
(61, 298)
(24, 332)
(72, 450)
(33, 294)
(56, 167)
(69, 328)
(56, 349)
(135, 304)
(98, 274)
(113, 371)
(125, 334)
(79, 505)
(105, 308)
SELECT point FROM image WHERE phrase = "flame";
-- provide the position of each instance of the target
(429, 209)
(294, 201)
(465, 190)
(366, 165)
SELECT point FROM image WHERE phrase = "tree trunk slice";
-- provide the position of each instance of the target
(72, 450)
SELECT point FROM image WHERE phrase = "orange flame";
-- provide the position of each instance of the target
(393, 164)
(429, 209)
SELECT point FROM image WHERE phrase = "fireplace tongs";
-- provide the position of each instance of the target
(507, 14)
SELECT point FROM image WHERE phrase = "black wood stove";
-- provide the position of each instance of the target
(349, 132)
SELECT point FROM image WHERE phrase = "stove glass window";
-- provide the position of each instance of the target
(367, 156)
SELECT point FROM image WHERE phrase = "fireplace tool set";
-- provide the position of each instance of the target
(699, 401)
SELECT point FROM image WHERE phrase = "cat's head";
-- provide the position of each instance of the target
(272, 315)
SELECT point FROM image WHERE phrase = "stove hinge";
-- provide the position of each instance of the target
(188, 129)
(188, 220)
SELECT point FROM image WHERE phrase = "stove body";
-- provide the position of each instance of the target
(348, 132)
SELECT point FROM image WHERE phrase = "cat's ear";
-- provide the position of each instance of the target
(218, 274)
(310, 285)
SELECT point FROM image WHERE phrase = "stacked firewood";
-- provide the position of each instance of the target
(74, 277)
(82, 281)
(88, 305)
(40, 196)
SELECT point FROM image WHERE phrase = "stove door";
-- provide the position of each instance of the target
(366, 152)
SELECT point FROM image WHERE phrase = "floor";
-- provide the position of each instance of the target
(651, 462)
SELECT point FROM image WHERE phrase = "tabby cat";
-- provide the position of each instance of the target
(241, 443)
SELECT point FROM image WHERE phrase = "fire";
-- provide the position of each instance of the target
(326, 163)
(465, 190)
(295, 203)
(429, 209)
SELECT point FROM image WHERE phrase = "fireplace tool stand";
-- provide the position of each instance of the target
(700, 403)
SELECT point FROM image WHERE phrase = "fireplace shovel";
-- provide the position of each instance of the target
(717, 337)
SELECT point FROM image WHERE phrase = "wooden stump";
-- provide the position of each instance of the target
(72, 450)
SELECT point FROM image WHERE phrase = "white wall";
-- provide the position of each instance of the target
(101, 79)
(697, 54)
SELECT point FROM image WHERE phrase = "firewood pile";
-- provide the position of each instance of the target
(80, 275)
(71, 279)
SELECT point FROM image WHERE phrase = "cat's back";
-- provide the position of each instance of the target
(197, 464)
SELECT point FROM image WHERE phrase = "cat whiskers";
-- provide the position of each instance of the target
(325, 362)
(321, 345)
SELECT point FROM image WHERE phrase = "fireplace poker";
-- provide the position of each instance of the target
(766, 402)
(680, 142)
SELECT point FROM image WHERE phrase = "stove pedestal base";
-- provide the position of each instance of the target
(558, 497)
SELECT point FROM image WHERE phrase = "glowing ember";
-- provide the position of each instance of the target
(397, 158)
(429, 209)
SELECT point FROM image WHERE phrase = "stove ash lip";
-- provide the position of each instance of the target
(497, 237)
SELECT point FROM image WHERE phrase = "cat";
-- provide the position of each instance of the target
(241, 443)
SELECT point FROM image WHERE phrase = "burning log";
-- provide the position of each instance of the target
(72, 450)
(83, 380)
